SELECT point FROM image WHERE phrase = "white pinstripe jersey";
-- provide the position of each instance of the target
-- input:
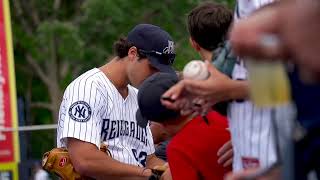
(250, 126)
(93, 111)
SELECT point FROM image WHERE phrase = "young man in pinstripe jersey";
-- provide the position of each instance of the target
(296, 25)
(250, 126)
(99, 107)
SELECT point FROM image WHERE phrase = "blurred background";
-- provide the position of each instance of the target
(54, 41)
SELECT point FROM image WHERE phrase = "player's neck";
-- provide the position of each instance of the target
(205, 54)
(116, 73)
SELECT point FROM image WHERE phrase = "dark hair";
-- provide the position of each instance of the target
(122, 46)
(208, 24)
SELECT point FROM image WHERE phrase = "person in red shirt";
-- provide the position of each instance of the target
(192, 152)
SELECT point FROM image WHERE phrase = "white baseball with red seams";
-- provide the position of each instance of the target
(196, 70)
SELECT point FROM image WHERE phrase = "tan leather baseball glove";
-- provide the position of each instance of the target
(57, 161)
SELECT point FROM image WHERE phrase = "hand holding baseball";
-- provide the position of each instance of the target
(196, 70)
(213, 89)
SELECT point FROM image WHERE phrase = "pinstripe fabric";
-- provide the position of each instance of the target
(250, 126)
(112, 119)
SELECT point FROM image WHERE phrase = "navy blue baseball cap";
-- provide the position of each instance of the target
(156, 44)
(150, 92)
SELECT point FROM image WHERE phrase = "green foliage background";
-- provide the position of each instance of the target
(55, 41)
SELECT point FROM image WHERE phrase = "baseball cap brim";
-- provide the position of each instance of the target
(141, 121)
(155, 62)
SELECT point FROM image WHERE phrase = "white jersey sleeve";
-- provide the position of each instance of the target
(80, 111)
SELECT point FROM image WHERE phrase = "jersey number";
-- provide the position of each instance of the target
(141, 158)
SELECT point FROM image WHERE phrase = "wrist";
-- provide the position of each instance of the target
(229, 89)
(239, 90)
(146, 172)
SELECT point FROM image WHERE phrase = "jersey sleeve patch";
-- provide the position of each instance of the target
(80, 111)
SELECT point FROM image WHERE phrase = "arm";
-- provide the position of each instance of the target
(153, 160)
(89, 161)
(217, 88)
(239, 90)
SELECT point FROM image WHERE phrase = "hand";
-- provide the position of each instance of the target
(288, 21)
(146, 172)
(212, 90)
(163, 170)
(187, 104)
(225, 154)
(242, 175)
(166, 175)
(246, 35)
(250, 174)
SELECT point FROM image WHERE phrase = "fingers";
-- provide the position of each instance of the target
(186, 112)
(225, 154)
(226, 158)
(170, 98)
(207, 107)
(166, 175)
(226, 147)
(250, 37)
(175, 91)
(198, 102)
(209, 86)
(228, 163)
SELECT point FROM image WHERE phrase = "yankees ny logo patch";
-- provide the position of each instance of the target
(80, 111)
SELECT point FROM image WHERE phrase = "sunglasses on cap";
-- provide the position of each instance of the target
(168, 59)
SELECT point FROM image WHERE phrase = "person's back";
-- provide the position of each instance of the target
(194, 148)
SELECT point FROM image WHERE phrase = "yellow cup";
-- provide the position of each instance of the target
(268, 83)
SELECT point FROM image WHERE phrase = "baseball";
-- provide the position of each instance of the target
(196, 70)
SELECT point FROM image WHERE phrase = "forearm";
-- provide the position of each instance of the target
(89, 161)
(122, 178)
(100, 165)
(238, 90)
(153, 160)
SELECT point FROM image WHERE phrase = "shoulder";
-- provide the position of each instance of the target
(92, 79)
(85, 78)
(197, 133)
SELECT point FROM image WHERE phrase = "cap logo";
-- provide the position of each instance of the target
(170, 48)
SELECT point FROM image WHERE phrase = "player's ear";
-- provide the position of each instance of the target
(194, 44)
(133, 53)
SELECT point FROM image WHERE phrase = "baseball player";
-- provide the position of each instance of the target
(251, 126)
(286, 20)
(100, 107)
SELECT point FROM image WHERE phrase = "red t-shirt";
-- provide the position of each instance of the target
(192, 153)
